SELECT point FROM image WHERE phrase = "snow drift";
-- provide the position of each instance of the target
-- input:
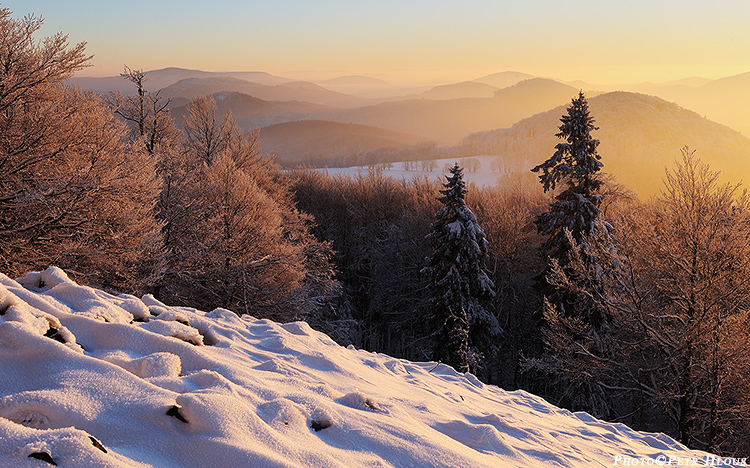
(89, 379)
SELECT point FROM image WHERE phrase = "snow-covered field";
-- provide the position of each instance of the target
(88, 379)
(483, 176)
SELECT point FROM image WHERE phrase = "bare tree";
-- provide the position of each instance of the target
(698, 255)
(204, 135)
(147, 111)
(241, 244)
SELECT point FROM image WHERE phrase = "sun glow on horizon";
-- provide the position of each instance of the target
(438, 41)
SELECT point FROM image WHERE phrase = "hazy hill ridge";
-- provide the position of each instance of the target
(444, 114)
(640, 135)
(472, 89)
(251, 112)
(504, 79)
(288, 91)
(321, 142)
(446, 121)
(725, 100)
(159, 79)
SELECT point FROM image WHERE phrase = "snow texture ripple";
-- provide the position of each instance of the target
(90, 379)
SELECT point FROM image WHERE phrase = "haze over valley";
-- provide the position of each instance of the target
(357, 120)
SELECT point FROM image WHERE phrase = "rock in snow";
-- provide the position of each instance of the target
(167, 387)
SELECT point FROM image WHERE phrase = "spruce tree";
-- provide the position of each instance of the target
(461, 288)
(574, 219)
(576, 162)
(577, 324)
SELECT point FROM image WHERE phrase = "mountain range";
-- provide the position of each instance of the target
(512, 114)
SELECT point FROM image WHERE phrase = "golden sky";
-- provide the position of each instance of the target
(598, 41)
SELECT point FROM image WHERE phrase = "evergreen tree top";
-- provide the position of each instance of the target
(455, 188)
(576, 160)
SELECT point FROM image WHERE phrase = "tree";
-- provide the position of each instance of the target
(74, 192)
(242, 244)
(696, 257)
(574, 218)
(575, 162)
(147, 112)
(460, 283)
(577, 245)
(147, 115)
(377, 226)
(673, 356)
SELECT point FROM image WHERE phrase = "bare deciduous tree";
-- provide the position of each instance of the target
(147, 111)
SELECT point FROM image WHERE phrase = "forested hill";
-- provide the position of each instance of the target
(322, 142)
(447, 121)
(640, 135)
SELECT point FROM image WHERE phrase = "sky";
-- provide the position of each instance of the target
(598, 41)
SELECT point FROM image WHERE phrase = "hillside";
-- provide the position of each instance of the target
(251, 112)
(318, 142)
(97, 380)
(640, 135)
(289, 91)
(447, 121)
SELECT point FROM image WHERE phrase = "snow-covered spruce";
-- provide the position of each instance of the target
(461, 286)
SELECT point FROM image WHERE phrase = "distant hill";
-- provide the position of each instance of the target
(316, 142)
(447, 121)
(158, 79)
(640, 136)
(504, 79)
(250, 112)
(289, 91)
(354, 80)
(367, 87)
(726, 100)
(465, 89)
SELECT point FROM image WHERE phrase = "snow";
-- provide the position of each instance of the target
(132, 382)
(485, 176)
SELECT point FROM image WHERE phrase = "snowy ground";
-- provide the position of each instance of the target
(483, 176)
(88, 379)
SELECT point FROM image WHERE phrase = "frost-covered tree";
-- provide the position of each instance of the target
(73, 191)
(239, 241)
(577, 244)
(151, 125)
(693, 302)
(461, 287)
(574, 217)
(576, 162)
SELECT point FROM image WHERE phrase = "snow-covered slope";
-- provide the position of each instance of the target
(90, 379)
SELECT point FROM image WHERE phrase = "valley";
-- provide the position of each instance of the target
(361, 121)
